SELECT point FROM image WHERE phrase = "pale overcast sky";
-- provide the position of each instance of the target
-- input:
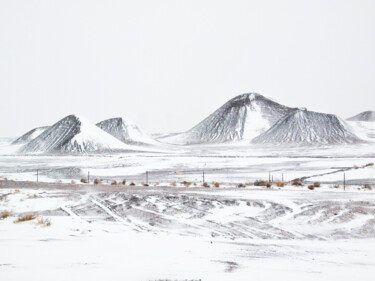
(166, 65)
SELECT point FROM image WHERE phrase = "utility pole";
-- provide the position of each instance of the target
(147, 177)
(37, 175)
(269, 177)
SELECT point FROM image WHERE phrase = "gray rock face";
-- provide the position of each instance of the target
(306, 127)
(367, 116)
(125, 131)
(73, 134)
(30, 135)
(241, 118)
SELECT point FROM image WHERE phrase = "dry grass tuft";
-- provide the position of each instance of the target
(297, 182)
(4, 214)
(280, 183)
(44, 222)
(206, 185)
(355, 167)
(84, 181)
(240, 185)
(186, 183)
(336, 186)
(97, 181)
(261, 183)
(216, 184)
(369, 165)
(311, 187)
(124, 182)
(114, 183)
(27, 217)
(316, 184)
(367, 186)
(249, 183)
(132, 184)
(173, 183)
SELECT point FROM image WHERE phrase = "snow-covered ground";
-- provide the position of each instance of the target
(168, 231)
(164, 233)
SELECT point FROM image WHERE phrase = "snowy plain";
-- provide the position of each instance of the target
(167, 231)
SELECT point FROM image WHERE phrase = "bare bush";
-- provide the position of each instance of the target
(44, 222)
(124, 182)
(367, 186)
(4, 214)
(186, 183)
(311, 187)
(114, 183)
(297, 182)
(132, 184)
(84, 181)
(97, 181)
(336, 186)
(27, 217)
(216, 184)
(316, 184)
(261, 183)
(369, 165)
(241, 185)
(249, 183)
(279, 183)
(206, 185)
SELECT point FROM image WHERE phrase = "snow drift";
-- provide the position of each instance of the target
(367, 116)
(125, 131)
(73, 134)
(306, 127)
(30, 135)
(241, 118)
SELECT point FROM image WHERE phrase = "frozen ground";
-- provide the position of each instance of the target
(167, 232)
(163, 233)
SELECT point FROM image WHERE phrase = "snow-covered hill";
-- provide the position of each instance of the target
(73, 134)
(241, 118)
(125, 131)
(367, 116)
(30, 135)
(306, 127)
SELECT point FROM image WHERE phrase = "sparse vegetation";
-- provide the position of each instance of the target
(249, 183)
(280, 183)
(206, 185)
(336, 186)
(27, 217)
(367, 186)
(44, 222)
(173, 183)
(186, 183)
(124, 182)
(369, 165)
(311, 187)
(261, 183)
(84, 181)
(132, 184)
(114, 183)
(316, 184)
(4, 214)
(241, 185)
(297, 182)
(216, 184)
(96, 181)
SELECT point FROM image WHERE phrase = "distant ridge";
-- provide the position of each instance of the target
(30, 135)
(241, 118)
(367, 116)
(73, 134)
(306, 127)
(126, 131)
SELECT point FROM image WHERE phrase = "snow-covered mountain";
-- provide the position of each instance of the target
(30, 135)
(241, 118)
(125, 131)
(73, 134)
(367, 116)
(306, 127)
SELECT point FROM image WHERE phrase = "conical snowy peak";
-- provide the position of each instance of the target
(73, 134)
(241, 118)
(30, 135)
(367, 116)
(125, 131)
(306, 127)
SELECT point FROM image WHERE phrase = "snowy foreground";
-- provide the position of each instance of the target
(107, 232)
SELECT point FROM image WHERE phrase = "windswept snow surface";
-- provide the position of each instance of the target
(73, 134)
(363, 129)
(126, 131)
(306, 127)
(30, 135)
(242, 118)
(367, 116)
